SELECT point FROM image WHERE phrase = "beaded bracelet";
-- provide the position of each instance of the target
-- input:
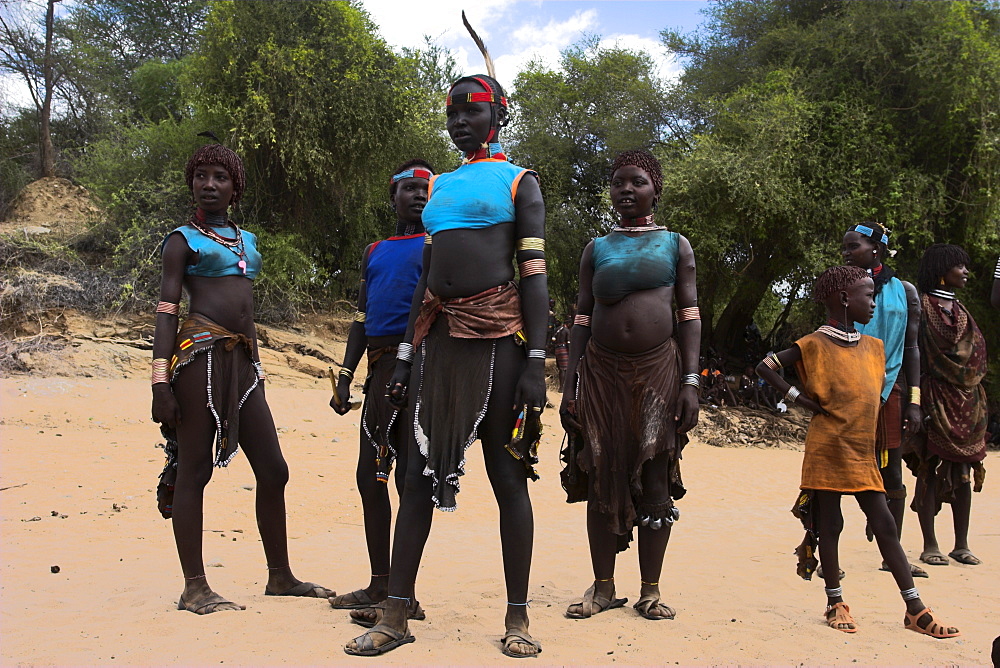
(261, 376)
(996, 272)
(792, 394)
(689, 313)
(404, 353)
(772, 362)
(168, 308)
(160, 365)
(582, 320)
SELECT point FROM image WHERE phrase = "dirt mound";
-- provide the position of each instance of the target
(748, 427)
(50, 206)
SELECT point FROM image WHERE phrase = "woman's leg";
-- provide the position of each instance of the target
(926, 512)
(195, 441)
(377, 516)
(510, 487)
(895, 490)
(653, 542)
(829, 525)
(259, 440)
(961, 510)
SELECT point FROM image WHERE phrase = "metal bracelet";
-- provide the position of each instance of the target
(536, 353)
(996, 272)
(909, 594)
(914, 395)
(692, 379)
(261, 376)
(404, 352)
(792, 394)
(836, 592)
(347, 373)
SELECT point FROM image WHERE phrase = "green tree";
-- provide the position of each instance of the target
(796, 119)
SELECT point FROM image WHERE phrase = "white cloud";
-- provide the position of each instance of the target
(666, 64)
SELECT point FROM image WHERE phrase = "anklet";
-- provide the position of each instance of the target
(525, 604)
(195, 577)
(276, 568)
(836, 592)
(607, 580)
(401, 598)
(909, 594)
(380, 576)
(650, 584)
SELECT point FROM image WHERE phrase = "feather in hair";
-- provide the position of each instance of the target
(482, 47)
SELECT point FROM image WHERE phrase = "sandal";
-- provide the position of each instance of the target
(305, 590)
(915, 571)
(841, 617)
(931, 628)
(593, 603)
(646, 604)
(965, 556)
(513, 636)
(207, 605)
(353, 601)
(372, 615)
(934, 559)
(366, 646)
(819, 572)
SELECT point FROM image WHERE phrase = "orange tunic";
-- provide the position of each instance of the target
(847, 383)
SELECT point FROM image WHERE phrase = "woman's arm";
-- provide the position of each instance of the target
(913, 417)
(766, 370)
(357, 341)
(175, 256)
(401, 376)
(688, 334)
(579, 336)
(529, 223)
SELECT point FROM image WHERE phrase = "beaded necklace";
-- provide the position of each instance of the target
(942, 294)
(838, 331)
(200, 223)
(647, 225)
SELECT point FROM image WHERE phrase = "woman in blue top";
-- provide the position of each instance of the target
(624, 392)
(470, 374)
(208, 383)
(896, 322)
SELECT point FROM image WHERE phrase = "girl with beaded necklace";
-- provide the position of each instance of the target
(842, 372)
(208, 382)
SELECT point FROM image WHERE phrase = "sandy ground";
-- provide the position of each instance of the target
(78, 467)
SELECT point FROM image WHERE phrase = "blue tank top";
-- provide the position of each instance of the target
(391, 277)
(889, 325)
(476, 195)
(216, 260)
(624, 263)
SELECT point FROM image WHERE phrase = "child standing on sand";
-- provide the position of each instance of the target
(842, 372)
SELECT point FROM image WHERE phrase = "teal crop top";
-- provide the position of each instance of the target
(476, 195)
(216, 260)
(625, 263)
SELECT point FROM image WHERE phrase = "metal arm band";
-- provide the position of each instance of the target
(404, 352)
(532, 267)
(691, 379)
(536, 353)
(582, 320)
(792, 394)
(427, 240)
(261, 376)
(531, 243)
(160, 365)
(772, 362)
(168, 308)
(359, 316)
(347, 373)
(689, 313)
(914, 395)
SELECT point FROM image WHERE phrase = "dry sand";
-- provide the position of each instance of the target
(78, 472)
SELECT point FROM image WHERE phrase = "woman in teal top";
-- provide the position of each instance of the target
(896, 322)
(208, 384)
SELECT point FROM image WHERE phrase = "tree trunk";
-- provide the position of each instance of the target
(45, 140)
(727, 336)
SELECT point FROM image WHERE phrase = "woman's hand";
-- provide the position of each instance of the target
(913, 419)
(567, 415)
(530, 390)
(165, 408)
(344, 394)
(687, 409)
(396, 391)
(810, 404)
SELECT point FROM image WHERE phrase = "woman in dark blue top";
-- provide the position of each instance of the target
(208, 383)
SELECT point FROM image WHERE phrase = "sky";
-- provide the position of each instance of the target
(515, 31)
(518, 31)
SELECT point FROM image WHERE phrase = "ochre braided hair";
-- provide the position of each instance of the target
(645, 161)
(217, 154)
(835, 279)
